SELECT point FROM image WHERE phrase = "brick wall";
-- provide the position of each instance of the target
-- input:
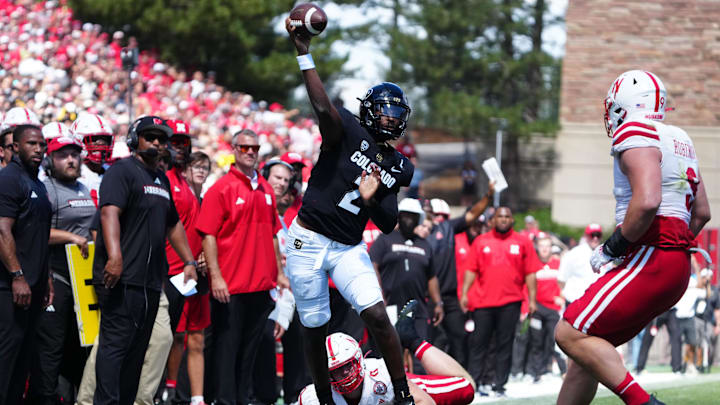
(677, 40)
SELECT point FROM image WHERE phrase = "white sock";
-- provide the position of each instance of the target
(198, 399)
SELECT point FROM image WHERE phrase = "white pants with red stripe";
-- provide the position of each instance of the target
(623, 301)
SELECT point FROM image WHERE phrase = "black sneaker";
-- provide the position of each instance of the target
(405, 324)
(654, 401)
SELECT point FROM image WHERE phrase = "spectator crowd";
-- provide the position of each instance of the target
(208, 181)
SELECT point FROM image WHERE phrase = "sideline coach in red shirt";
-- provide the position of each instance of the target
(503, 262)
(238, 222)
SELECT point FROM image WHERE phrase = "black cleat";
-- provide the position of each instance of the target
(405, 325)
(654, 401)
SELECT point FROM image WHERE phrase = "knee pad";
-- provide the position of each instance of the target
(315, 319)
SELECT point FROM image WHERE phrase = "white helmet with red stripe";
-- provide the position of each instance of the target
(634, 93)
(19, 116)
(345, 362)
(55, 130)
(96, 133)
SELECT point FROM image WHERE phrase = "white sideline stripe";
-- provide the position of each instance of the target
(444, 389)
(428, 381)
(619, 288)
(606, 287)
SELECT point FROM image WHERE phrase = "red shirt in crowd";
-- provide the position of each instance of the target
(501, 262)
(244, 222)
(188, 209)
(292, 210)
(463, 259)
(547, 284)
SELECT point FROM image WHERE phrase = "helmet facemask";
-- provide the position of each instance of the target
(384, 112)
(346, 377)
(99, 148)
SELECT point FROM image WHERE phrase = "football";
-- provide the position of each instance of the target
(309, 19)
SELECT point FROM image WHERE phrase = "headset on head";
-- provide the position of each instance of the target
(272, 162)
(132, 137)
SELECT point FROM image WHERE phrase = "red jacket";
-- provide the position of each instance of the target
(501, 262)
(244, 221)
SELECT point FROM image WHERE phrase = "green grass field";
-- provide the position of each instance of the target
(703, 390)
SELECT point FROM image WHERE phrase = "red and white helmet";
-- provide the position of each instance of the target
(91, 128)
(19, 116)
(55, 130)
(635, 93)
(345, 362)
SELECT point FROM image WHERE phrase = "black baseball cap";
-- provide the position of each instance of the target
(151, 122)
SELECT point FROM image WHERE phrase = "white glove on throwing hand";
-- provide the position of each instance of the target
(598, 259)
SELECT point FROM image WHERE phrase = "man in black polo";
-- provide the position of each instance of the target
(24, 231)
(137, 214)
(406, 266)
(442, 241)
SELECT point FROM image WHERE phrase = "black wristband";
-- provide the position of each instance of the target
(616, 245)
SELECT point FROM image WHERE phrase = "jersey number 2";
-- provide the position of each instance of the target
(346, 202)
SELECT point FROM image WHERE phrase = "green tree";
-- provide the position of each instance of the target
(235, 38)
(474, 59)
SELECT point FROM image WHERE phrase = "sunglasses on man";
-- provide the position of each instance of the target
(247, 148)
(152, 136)
(180, 141)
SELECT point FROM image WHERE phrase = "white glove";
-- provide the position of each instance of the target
(598, 259)
(284, 309)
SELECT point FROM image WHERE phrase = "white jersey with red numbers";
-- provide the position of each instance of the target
(679, 166)
(376, 387)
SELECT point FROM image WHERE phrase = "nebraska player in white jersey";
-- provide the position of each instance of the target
(359, 381)
(661, 207)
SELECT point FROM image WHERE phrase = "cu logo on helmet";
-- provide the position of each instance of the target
(181, 127)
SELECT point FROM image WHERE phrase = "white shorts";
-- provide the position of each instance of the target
(311, 258)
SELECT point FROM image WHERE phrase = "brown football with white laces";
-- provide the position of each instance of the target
(309, 19)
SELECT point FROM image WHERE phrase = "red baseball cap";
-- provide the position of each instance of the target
(292, 157)
(593, 228)
(61, 142)
(179, 127)
(408, 150)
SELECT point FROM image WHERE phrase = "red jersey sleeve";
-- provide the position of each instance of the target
(531, 261)
(474, 257)
(212, 211)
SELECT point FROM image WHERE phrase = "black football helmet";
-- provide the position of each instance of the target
(385, 99)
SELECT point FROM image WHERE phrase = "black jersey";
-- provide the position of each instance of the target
(405, 266)
(148, 211)
(332, 204)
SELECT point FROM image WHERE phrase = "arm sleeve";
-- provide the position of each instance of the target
(115, 187)
(384, 214)
(458, 224)
(430, 271)
(474, 261)
(172, 216)
(532, 262)
(12, 194)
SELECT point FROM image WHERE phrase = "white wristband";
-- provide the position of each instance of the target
(306, 62)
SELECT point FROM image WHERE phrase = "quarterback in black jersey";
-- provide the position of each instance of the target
(356, 178)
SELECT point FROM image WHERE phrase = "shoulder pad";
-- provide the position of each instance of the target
(636, 134)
